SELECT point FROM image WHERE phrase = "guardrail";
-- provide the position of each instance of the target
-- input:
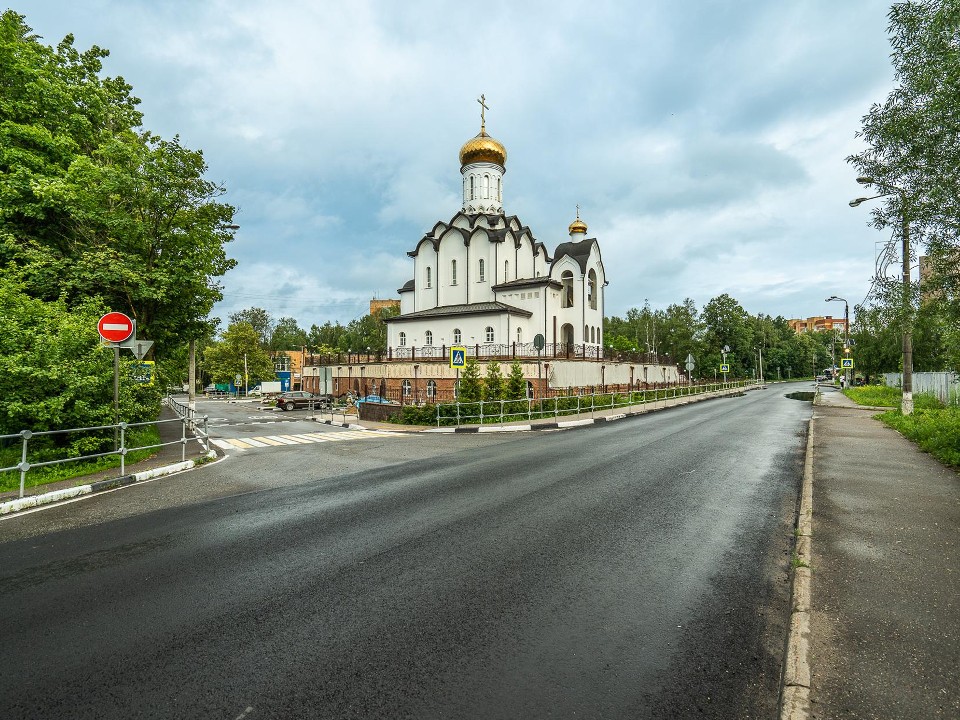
(188, 421)
(501, 411)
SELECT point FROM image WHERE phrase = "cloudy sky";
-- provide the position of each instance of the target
(704, 140)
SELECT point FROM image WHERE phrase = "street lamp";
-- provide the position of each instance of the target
(846, 330)
(759, 350)
(906, 405)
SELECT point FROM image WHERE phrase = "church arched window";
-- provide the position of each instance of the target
(566, 294)
(403, 339)
(481, 269)
(431, 389)
(428, 338)
(592, 289)
(586, 333)
(506, 270)
(472, 188)
(489, 334)
(457, 336)
(429, 276)
(499, 191)
(519, 335)
(453, 272)
(486, 187)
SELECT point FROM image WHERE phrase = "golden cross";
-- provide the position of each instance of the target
(578, 211)
(483, 108)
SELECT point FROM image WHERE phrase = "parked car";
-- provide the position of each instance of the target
(301, 399)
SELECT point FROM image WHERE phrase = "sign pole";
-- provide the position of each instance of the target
(116, 393)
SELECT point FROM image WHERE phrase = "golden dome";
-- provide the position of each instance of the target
(483, 148)
(577, 226)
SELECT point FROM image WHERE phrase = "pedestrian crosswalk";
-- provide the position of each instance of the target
(299, 439)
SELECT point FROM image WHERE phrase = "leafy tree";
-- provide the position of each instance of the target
(913, 156)
(328, 336)
(224, 360)
(287, 335)
(94, 206)
(493, 387)
(55, 372)
(726, 323)
(471, 384)
(257, 318)
(516, 382)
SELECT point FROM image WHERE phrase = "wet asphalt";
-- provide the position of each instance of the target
(629, 569)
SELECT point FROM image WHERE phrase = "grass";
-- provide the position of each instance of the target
(934, 428)
(10, 456)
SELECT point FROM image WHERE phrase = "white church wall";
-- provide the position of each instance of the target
(452, 290)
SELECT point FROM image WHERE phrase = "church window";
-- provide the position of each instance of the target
(428, 277)
(428, 338)
(406, 388)
(519, 335)
(431, 389)
(592, 289)
(472, 191)
(586, 333)
(403, 339)
(593, 334)
(481, 268)
(566, 296)
(453, 272)
(457, 336)
(529, 389)
(489, 334)
(506, 270)
(499, 191)
(486, 187)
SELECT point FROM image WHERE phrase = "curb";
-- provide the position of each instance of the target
(795, 687)
(14, 506)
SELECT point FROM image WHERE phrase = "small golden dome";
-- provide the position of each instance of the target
(577, 226)
(483, 148)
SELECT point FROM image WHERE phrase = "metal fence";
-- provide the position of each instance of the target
(945, 386)
(503, 411)
(189, 422)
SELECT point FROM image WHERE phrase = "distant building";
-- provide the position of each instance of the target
(820, 323)
(378, 305)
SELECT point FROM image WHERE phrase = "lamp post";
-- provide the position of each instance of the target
(846, 330)
(906, 404)
(759, 350)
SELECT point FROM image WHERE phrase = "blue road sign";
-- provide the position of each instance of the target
(458, 357)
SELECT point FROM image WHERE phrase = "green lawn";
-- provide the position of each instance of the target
(933, 427)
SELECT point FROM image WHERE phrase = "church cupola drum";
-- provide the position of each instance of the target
(483, 162)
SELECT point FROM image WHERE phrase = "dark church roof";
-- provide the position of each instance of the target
(483, 308)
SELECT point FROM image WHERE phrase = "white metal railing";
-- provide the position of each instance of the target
(187, 418)
(502, 411)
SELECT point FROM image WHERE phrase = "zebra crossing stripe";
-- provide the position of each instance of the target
(299, 439)
(268, 441)
(283, 440)
(255, 442)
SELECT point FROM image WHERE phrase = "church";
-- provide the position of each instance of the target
(483, 279)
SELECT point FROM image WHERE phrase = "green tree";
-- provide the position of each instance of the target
(224, 360)
(259, 319)
(516, 382)
(493, 387)
(287, 335)
(92, 205)
(55, 372)
(727, 324)
(471, 384)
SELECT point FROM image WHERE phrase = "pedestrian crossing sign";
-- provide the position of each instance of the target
(846, 363)
(725, 368)
(458, 356)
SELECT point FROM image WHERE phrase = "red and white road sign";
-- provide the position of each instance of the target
(115, 327)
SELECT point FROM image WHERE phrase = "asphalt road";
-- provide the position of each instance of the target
(629, 569)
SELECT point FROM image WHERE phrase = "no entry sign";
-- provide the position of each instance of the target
(115, 327)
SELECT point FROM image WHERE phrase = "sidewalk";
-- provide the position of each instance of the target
(885, 607)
